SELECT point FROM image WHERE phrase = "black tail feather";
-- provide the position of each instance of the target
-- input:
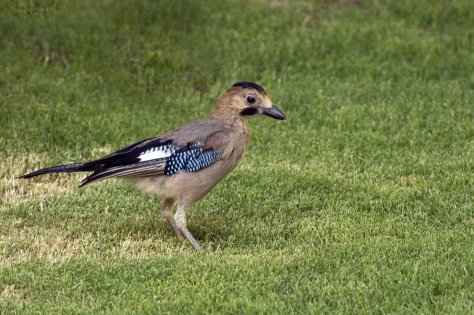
(66, 168)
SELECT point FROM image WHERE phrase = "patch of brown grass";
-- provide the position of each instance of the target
(52, 246)
(10, 292)
(14, 190)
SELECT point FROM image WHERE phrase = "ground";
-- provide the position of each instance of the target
(361, 202)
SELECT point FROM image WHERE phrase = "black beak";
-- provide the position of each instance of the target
(273, 112)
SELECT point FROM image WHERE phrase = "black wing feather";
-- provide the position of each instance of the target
(125, 156)
(147, 168)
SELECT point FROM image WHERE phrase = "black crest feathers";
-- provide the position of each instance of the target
(251, 85)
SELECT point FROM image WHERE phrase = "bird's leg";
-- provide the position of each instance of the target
(167, 212)
(180, 219)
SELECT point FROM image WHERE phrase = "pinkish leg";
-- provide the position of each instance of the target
(167, 212)
(180, 219)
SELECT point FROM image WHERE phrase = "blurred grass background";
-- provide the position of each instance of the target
(361, 202)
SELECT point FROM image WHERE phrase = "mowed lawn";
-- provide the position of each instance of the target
(361, 202)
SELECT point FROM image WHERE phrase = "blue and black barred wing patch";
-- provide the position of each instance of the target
(192, 158)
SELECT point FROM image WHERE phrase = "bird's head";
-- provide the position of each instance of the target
(247, 99)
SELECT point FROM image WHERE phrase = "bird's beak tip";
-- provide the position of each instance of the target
(274, 112)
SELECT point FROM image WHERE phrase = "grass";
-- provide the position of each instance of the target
(361, 202)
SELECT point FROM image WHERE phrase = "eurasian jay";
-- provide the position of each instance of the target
(183, 165)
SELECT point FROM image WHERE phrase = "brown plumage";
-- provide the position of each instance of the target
(182, 166)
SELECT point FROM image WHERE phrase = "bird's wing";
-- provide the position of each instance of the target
(128, 155)
(184, 150)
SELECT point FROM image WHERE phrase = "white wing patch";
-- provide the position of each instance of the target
(157, 153)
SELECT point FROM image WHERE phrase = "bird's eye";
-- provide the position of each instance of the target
(251, 99)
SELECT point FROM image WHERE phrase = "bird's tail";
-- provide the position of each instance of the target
(66, 168)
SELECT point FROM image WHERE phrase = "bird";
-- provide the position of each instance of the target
(182, 166)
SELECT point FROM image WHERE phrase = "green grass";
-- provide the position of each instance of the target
(361, 202)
